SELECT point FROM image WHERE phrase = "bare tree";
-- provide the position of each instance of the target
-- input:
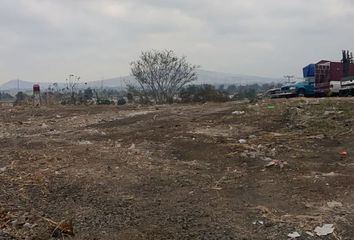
(161, 74)
(72, 84)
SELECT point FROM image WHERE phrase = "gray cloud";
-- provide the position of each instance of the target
(46, 40)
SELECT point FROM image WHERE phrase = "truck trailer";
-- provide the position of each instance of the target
(325, 73)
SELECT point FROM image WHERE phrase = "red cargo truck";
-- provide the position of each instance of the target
(326, 72)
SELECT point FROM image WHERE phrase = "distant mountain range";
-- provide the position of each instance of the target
(204, 77)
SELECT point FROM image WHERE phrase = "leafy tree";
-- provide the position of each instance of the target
(21, 98)
(161, 75)
(88, 94)
(5, 96)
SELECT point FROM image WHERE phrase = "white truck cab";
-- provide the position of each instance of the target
(334, 88)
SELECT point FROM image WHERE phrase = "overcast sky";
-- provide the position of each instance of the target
(45, 40)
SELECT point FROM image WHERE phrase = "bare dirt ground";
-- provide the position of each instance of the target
(178, 172)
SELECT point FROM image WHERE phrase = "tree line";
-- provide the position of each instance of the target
(159, 77)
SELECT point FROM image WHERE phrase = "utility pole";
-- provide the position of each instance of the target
(102, 83)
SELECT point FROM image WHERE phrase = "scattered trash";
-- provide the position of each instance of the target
(238, 112)
(331, 174)
(258, 222)
(279, 163)
(270, 106)
(252, 137)
(343, 154)
(310, 234)
(3, 169)
(294, 235)
(334, 204)
(29, 226)
(132, 146)
(85, 143)
(326, 113)
(325, 230)
(253, 155)
(60, 229)
(319, 137)
(242, 141)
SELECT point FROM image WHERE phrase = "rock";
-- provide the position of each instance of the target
(3, 169)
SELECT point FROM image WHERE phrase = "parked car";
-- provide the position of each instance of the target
(305, 88)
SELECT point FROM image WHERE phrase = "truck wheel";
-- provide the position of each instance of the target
(301, 92)
(343, 93)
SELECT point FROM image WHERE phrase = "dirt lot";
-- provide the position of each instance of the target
(178, 172)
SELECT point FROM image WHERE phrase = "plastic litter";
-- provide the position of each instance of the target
(343, 154)
(85, 143)
(258, 222)
(294, 235)
(238, 112)
(325, 230)
(270, 107)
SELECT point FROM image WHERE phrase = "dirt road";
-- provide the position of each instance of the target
(178, 172)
